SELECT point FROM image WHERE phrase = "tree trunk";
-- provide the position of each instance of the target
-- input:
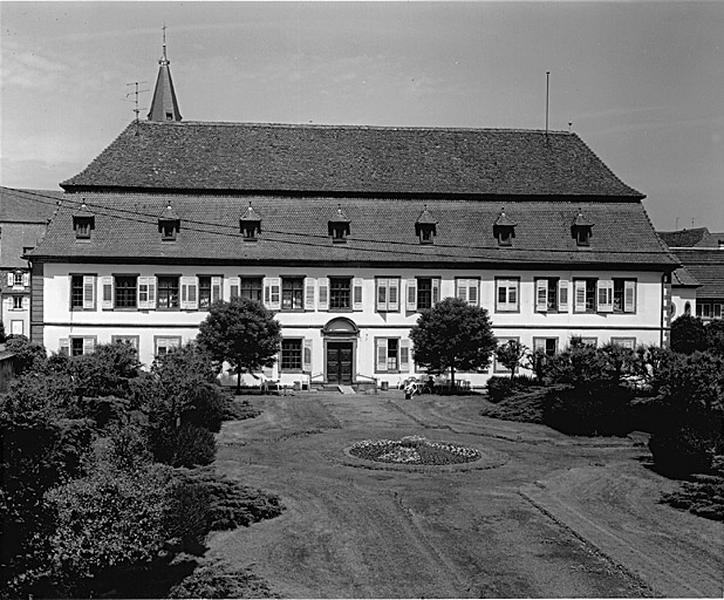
(238, 382)
(452, 378)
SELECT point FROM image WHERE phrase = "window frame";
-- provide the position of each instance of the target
(432, 290)
(502, 307)
(82, 338)
(81, 307)
(592, 287)
(621, 281)
(401, 344)
(17, 299)
(388, 306)
(332, 291)
(282, 354)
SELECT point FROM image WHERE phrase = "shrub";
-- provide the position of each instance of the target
(688, 334)
(29, 356)
(703, 498)
(584, 410)
(184, 446)
(499, 388)
(218, 580)
(682, 449)
(107, 371)
(715, 337)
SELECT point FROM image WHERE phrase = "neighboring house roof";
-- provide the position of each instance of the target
(682, 278)
(209, 157)
(700, 237)
(27, 206)
(706, 265)
(382, 231)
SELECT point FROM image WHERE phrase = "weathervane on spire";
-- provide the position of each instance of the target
(164, 59)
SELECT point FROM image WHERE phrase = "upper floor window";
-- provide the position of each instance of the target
(168, 292)
(428, 292)
(551, 295)
(506, 295)
(126, 291)
(338, 226)
(83, 292)
(581, 229)
(468, 290)
(426, 227)
(293, 294)
(18, 278)
(17, 302)
(624, 295)
(83, 227)
(388, 294)
(585, 295)
(504, 229)
(250, 224)
(340, 292)
(251, 288)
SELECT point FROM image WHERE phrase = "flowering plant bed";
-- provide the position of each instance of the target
(414, 450)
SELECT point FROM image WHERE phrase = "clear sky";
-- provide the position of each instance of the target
(643, 83)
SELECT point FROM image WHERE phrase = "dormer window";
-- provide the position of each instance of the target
(581, 230)
(250, 224)
(169, 224)
(426, 227)
(338, 227)
(504, 229)
(83, 223)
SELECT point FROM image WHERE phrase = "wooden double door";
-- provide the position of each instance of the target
(339, 362)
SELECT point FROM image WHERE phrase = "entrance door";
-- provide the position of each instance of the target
(339, 362)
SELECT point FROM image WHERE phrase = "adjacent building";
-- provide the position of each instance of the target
(347, 233)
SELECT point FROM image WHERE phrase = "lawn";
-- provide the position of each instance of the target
(544, 515)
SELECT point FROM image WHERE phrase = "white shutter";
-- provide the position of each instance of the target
(26, 302)
(106, 287)
(579, 287)
(411, 290)
(462, 289)
(89, 345)
(146, 292)
(604, 293)
(64, 346)
(629, 296)
(357, 294)
(309, 287)
(152, 291)
(89, 291)
(381, 353)
(473, 286)
(8, 301)
(26, 279)
(189, 293)
(539, 344)
(435, 290)
(323, 293)
(234, 285)
(307, 355)
(216, 286)
(405, 355)
(563, 295)
(541, 295)
(272, 293)
(393, 295)
(11, 280)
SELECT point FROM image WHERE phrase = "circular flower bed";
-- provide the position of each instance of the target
(414, 450)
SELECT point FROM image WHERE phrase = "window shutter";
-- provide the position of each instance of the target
(234, 285)
(435, 291)
(563, 295)
(11, 280)
(539, 344)
(629, 296)
(309, 293)
(357, 294)
(26, 302)
(8, 300)
(405, 355)
(579, 287)
(26, 279)
(89, 291)
(307, 355)
(393, 295)
(152, 291)
(216, 287)
(89, 345)
(323, 293)
(189, 296)
(541, 295)
(272, 293)
(473, 291)
(411, 287)
(64, 346)
(106, 292)
(146, 292)
(461, 291)
(604, 290)
(381, 353)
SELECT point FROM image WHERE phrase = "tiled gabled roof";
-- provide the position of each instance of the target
(684, 237)
(27, 206)
(331, 159)
(296, 230)
(707, 267)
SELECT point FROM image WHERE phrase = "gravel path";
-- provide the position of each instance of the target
(560, 517)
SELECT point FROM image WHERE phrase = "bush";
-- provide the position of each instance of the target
(688, 334)
(107, 371)
(703, 498)
(29, 356)
(499, 388)
(715, 337)
(183, 446)
(217, 580)
(683, 449)
(584, 410)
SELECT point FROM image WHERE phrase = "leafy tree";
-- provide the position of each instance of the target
(510, 354)
(453, 335)
(2, 333)
(688, 334)
(107, 371)
(29, 356)
(242, 333)
(715, 336)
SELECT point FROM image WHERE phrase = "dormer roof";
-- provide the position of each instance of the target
(504, 220)
(426, 218)
(250, 214)
(582, 221)
(169, 214)
(339, 216)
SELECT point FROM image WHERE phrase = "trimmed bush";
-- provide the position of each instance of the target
(683, 449)
(218, 580)
(582, 410)
(184, 446)
(499, 388)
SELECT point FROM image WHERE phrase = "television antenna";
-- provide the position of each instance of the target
(135, 92)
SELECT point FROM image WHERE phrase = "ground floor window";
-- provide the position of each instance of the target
(133, 340)
(77, 345)
(164, 344)
(291, 358)
(17, 327)
(624, 342)
(548, 345)
(392, 355)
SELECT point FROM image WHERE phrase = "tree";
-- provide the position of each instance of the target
(453, 335)
(715, 336)
(29, 356)
(243, 333)
(107, 371)
(688, 334)
(510, 354)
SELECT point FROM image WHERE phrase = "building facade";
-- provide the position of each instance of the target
(347, 233)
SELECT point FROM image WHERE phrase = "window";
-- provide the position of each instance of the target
(125, 291)
(293, 294)
(428, 292)
(76, 291)
(717, 311)
(506, 296)
(17, 302)
(82, 292)
(582, 236)
(547, 294)
(204, 293)
(83, 227)
(132, 340)
(291, 359)
(589, 341)
(392, 355)
(251, 288)
(585, 295)
(467, 290)
(505, 236)
(340, 292)
(549, 345)
(338, 226)
(18, 278)
(426, 233)
(168, 288)
(624, 295)
(17, 327)
(388, 294)
(77, 345)
(164, 344)
(168, 230)
(624, 342)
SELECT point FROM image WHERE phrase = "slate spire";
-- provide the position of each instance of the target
(164, 106)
